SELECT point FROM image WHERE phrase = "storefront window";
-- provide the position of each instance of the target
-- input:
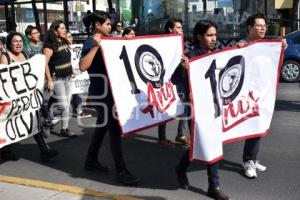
(230, 15)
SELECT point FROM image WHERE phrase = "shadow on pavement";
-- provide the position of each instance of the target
(283, 105)
(144, 158)
(232, 166)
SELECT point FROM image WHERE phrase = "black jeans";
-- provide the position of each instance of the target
(162, 131)
(112, 126)
(251, 148)
(75, 102)
(212, 169)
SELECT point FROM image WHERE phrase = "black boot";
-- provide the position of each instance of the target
(182, 178)
(67, 133)
(46, 151)
(8, 155)
(216, 193)
(95, 166)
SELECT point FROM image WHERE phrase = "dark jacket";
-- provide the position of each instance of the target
(180, 75)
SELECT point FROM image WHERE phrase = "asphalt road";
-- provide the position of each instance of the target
(280, 152)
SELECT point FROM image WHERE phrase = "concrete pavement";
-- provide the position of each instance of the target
(280, 152)
(10, 191)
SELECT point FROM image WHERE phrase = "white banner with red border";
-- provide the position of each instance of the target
(233, 95)
(139, 71)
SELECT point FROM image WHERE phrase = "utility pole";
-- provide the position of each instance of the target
(204, 6)
(6, 17)
(109, 2)
(13, 16)
(295, 18)
(45, 16)
(66, 14)
(94, 5)
(36, 15)
(186, 13)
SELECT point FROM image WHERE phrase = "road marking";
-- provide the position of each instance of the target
(63, 188)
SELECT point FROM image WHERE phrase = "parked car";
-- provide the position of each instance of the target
(73, 30)
(290, 69)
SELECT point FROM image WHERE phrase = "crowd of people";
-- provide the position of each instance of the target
(59, 73)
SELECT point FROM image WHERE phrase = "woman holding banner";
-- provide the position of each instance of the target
(205, 38)
(15, 53)
(100, 97)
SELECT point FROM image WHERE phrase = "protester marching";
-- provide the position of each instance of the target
(138, 82)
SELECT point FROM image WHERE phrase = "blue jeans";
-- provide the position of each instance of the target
(251, 148)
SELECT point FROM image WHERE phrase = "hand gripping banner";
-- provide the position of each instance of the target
(81, 80)
(21, 97)
(139, 72)
(233, 95)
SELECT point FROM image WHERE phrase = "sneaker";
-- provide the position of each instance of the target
(51, 122)
(45, 156)
(126, 178)
(83, 115)
(55, 120)
(95, 166)
(183, 140)
(166, 144)
(66, 133)
(250, 169)
(259, 167)
(182, 178)
(216, 193)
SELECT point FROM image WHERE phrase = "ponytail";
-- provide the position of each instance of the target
(90, 20)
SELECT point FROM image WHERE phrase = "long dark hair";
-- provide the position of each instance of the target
(90, 20)
(114, 27)
(51, 39)
(201, 27)
(10, 37)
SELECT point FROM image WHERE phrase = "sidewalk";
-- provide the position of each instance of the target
(20, 192)
(40, 190)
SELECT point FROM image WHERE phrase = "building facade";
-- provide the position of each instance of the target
(230, 15)
(24, 15)
(150, 16)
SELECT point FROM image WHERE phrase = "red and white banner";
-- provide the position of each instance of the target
(139, 72)
(21, 97)
(81, 81)
(233, 96)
